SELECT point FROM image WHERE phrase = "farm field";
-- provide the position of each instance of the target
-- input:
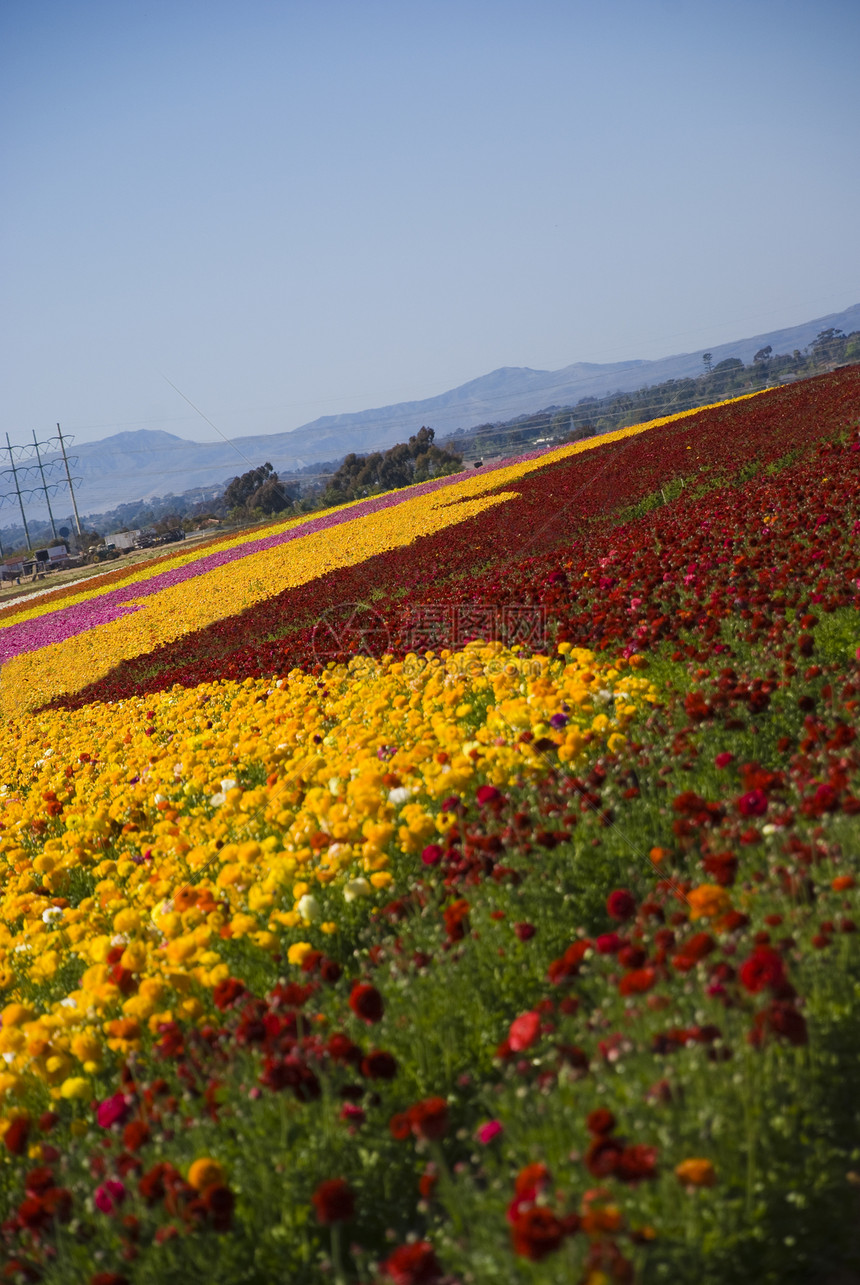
(459, 886)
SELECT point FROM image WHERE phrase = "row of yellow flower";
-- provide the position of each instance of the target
(471, 486)
(36, 677)
(139, 838)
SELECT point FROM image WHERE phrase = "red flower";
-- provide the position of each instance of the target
(134, 1135)
(400, 1126)
(16, 1135)
(412, 1265)
(536, 1232)
(366, 1002)
(109, 1278)
(525, 932)
(600, 1121)
(637, 1163)
(637, 981)
(620, 904)
(488, 794)
(220, 1203)
(530, 1180)
(334, 1201)
(602, 1156)
(693, 951)
(722, 867)
(227, 992)
(763, 970)
(457, 920)
(379, 1065)
(524, 1031)
(752, 804)
(428, 1119)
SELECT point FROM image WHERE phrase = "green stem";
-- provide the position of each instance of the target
(337, 1255)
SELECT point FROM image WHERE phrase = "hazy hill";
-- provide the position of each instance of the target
(136, 465)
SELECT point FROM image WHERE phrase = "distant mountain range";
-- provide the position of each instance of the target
(138, 465)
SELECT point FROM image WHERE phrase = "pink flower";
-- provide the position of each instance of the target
(490, 1130)
(109, 1196)
(113, 1110)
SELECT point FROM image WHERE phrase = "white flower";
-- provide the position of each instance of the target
(159, 798)
(400, 795)
(356, 888)
(53, 912)
(68, 1002)
(227, 784)
(217, 799)
(309, 908)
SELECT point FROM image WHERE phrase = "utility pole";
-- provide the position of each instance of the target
(18, 490)
(44, 484)
(68, 479)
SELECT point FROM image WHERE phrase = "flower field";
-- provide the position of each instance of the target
(457, 887)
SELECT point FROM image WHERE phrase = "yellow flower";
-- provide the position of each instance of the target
(298, 951)
(75, 1087)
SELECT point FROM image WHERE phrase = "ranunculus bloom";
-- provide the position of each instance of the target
(109, 1196)
(620, 904)
(490, 1130)
(428, 1119)
(763, 970)
(696, 1173)
(15, 1137)
(412, 1265)
(753, 803)
(113, 1110)
(220, 1202)
(488, 794)
(366, 1002)
(432, 854)
(724, 759)
(637, 1163)
(379, 1065)
(204, 1173)
(536, 1232)
(600, 1121)
(708, 901)
(334, 1201)
(637, 982)
(227, 992)
(525, 1029)
(134, 1135)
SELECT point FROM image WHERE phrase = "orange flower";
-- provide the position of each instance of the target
(842, 883)
(696, 1173)
(708, 900)
(204, 1173)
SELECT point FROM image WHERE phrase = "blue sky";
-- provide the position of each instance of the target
(295, 209)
